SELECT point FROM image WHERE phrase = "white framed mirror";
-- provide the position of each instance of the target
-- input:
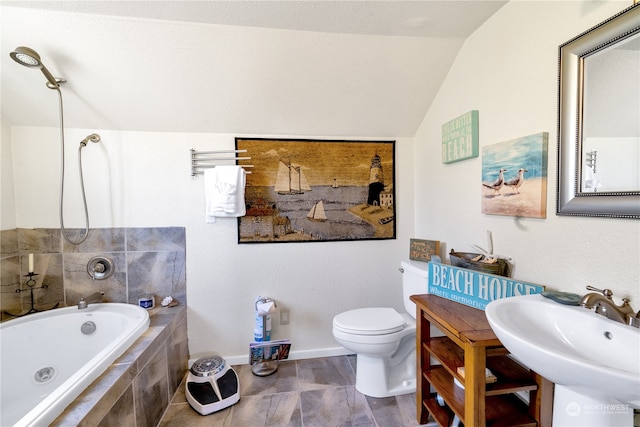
(599, 120)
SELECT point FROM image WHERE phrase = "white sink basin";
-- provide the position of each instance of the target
(570, 345)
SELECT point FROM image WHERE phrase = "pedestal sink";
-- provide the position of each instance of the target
(571, 346)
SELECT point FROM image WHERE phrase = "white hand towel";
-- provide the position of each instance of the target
(590, 179)
(224, 192)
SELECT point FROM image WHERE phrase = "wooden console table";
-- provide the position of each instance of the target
(469, 342)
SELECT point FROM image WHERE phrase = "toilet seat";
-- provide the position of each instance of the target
(369, 321)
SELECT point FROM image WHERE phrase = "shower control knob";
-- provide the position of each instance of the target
(100, 267)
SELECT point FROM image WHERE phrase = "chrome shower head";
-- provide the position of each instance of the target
(29, 58)
(26, 56)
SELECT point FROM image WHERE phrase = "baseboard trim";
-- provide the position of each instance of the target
(293, 355)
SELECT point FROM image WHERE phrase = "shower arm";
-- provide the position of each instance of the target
(94, 137)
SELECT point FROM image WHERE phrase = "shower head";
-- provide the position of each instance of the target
(94, 137)
(26, 56)
(29, 58)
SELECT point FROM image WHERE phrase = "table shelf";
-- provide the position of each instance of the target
(469, 342)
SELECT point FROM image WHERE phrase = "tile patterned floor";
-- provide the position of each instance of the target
(303, 393)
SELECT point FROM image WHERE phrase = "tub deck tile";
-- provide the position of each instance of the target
(107, 392)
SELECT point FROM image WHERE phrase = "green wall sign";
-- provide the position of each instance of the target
(460, 138)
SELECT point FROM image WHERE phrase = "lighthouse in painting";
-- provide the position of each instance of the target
(376, 181)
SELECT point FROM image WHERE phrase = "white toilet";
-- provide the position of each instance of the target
(385, 340)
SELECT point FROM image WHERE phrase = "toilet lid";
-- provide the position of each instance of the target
(369, 321)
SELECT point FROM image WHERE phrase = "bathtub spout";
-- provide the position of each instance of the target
(94, 297)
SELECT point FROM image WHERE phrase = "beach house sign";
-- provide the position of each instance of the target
(474, 288)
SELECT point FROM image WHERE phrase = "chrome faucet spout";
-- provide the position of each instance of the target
(602, 302)
(93, 298)
(635, 321)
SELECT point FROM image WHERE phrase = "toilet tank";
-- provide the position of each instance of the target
(415, 275)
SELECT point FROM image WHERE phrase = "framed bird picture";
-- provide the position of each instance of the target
(514, 177)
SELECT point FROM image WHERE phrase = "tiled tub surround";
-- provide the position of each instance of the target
(147, 261)
(137, 388)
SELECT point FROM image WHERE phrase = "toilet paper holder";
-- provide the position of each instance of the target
(266, 367)
(260, 302)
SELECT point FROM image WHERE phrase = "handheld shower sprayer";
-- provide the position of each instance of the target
(29, 58)
(94, 137)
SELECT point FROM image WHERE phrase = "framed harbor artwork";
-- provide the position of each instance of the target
(514, 177)
(303, 190)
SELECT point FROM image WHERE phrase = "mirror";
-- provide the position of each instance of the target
(610, 160)
(598, 120)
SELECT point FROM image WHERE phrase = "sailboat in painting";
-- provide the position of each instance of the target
(291, 179)
(317, 212)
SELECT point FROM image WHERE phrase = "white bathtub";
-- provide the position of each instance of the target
(47, 359)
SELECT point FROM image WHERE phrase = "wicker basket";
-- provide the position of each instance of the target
(466, 260)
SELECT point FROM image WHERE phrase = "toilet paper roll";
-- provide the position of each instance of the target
(265, 308)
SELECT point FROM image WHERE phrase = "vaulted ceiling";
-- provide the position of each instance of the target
(322, 68)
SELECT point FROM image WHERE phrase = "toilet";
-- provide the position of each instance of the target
(384, 340)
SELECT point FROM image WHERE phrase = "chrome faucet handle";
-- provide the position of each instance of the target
(626, 308)
(606, 292)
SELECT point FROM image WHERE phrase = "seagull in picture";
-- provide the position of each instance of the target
(516, 181)
(498, 183)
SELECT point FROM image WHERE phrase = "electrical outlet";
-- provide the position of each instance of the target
(284, 316)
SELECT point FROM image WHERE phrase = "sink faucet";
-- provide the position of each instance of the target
(94, 297)
(602, 302)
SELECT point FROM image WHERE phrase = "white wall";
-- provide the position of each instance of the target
(142, 179)
(7, 201)
(508, 71)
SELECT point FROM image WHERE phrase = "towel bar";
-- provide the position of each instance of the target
(201, 160)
